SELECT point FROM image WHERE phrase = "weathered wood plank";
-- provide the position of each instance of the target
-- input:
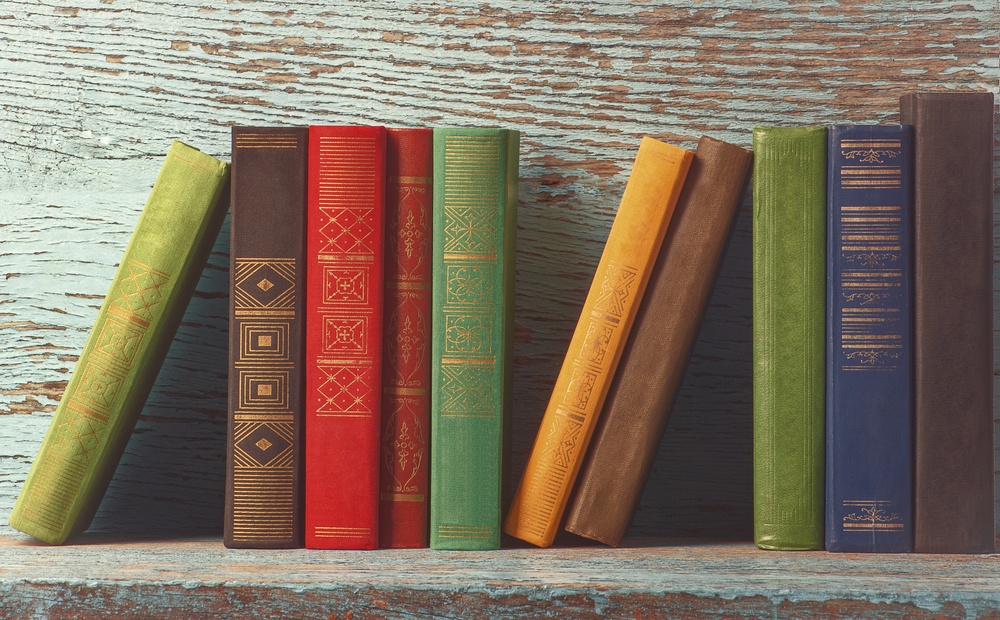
(91, 92)
(186, 579)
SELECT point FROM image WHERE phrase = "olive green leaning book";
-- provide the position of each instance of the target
(126, 347)
(472, 310)
(789, 319)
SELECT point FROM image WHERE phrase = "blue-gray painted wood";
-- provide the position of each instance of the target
(91, 93)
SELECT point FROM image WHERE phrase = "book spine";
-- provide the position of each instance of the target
(126, 347)
(475, 229)
(267, 245)
(406, 371)
(869, 408)
(953, 319)
(653, 364)
(344, 286)
(622, 273)
(789, 316)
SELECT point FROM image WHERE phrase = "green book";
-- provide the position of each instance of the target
(789, 317)
(123, 354)
(475, 228)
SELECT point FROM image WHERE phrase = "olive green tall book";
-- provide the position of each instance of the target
(789, 319)
(475, 226)
(126, 347)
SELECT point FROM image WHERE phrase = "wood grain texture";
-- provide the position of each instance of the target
(91, 93)
(192, 578)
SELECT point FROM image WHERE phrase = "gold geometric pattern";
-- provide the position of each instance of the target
(263, 388)
(345, 335)
(260, 284)
(468, 333)
(345, 285)
(467, 390)
(469, 284)
(345, 391)
(95, 390)
(616, 291)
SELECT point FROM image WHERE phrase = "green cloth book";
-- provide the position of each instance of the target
(126, 347)
(475, 228)
(789, 317)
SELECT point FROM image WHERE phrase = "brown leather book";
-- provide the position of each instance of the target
(953, 318)
(264, 457)
(638, 405)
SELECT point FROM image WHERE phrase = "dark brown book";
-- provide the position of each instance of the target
(953, 318)
(653, 363)
(264, 459)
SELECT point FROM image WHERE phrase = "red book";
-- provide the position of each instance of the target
(406, 372)
(345, 256)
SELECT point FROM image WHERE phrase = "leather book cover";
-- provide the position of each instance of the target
(596, 346)
(653, 364)
(474, 246)
(126, 347)
(789, 320)
(267, 246)
(953, 318)
(406, 357)
(345, 252)
(869, 402)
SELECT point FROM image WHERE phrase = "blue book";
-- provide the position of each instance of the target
(869, 407)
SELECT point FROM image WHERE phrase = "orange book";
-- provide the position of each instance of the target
(629, 254)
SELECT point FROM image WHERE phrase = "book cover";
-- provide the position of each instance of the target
(126, 347)
(582, 384)
(869, 404)
(406, 370)
(953, 319)
(653, 364)
(474, 245)
(344, 287)
(263, 507)
(789, 317)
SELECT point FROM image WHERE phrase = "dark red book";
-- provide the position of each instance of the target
(406, 372)
(345, 257)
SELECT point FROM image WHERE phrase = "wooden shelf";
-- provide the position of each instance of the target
(195, 578)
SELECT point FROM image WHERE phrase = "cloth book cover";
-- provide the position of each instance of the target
(345, 252)
(475, 231)
(653, 364)
(789, 318)
(953, 319)
(406, 370)
(869, 410)
(605, 320)
(126, 347)
(267, 246)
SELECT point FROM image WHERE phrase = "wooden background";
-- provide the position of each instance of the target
(92, 92)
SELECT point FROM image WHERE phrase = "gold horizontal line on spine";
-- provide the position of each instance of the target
(869, 237)
(872, 274)
(870, 284)
(343, 415)
(265, 313)
(402, 497)
(403, 391)
(243, 147)
(482, 529)
(873, 171)
(332, 361)
(366, 258)
(242, 417)
(873, 526)
(871, 346)
(459, 361)
(873, 337)
(481, 257)
(872, 248)
(412, 180)
(870, 208)
(870, 184)
(870, 219)
(408, 286)
(881, 142)
(869, 310)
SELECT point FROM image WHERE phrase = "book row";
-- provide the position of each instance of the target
(371, 309)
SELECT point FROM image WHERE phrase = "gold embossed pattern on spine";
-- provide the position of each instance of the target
(87, 409)
(629, 254)
(263, 422)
